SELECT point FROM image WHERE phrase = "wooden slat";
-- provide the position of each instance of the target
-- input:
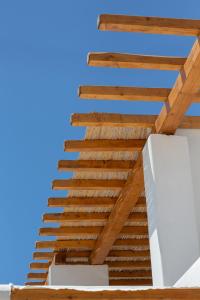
(131, 282)
(123, 60)
(63, 256)
(61, 293)
(123, 120)
(133, 274)
(180, 98)
(113, 120)
(36, 283)
(88, 230)
(39, 266)
(124, 205)
(104, 145)
(43, 255)
(90, 216)
(149, 25)
(88, 184)
(89, 202)
(82, 202)
(88, 244)
(95, 165)
(124, 93)
(37, 275)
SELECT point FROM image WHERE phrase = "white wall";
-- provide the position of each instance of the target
(172, 209)
(81, 275)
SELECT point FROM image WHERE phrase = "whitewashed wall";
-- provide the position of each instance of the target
(172, 184)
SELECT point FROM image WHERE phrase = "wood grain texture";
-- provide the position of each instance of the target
(180, 98)
(153, 25)
(123, 60)
(74, 294)
(124, 93)
(104, 145)
(95, 165)
(120, 213)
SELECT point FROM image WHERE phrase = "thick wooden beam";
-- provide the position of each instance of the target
(124, 93)
(89, 230)
(123, 60)
(104, 145)
(95, 165)
(180, 98)
(120, 213)
(58, 294)
(153, 25)
(76, 217)
(89, 202)
(88, 244)
(123, 120)
(88, 184)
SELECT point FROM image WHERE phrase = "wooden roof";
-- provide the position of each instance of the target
(103, 218)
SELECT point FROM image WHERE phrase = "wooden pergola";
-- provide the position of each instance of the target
(104, 216)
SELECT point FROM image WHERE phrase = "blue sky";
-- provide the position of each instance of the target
(43, 49)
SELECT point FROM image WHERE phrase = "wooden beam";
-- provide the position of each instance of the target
(37, 275)
(104, 145)
(95, 165)
(43, 255)
(61, 293)
(124, 93)
(131, 282)
(88, 244)
(113, 120)
(89, 230)
(130, 274)
(61, 257)
(36, 283)
(180, 98)
(39, 266)
(123, 60)
(76, 217)
(123, 120)
(120, 213)
(88, 184)
(82, 202)
(89, 202)
(153, 25)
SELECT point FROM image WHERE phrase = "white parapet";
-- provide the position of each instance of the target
(78, 275)
(171, 207)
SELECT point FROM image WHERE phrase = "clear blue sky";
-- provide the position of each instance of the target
(43, 48)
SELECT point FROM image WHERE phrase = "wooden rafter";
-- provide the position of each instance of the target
(149, 25)
(88, 244)
(123, 60)
(88, 184)
(123, 120)
(95, 165)
(104, 145)
(88, 230)
(74, 217)
(123, 93)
